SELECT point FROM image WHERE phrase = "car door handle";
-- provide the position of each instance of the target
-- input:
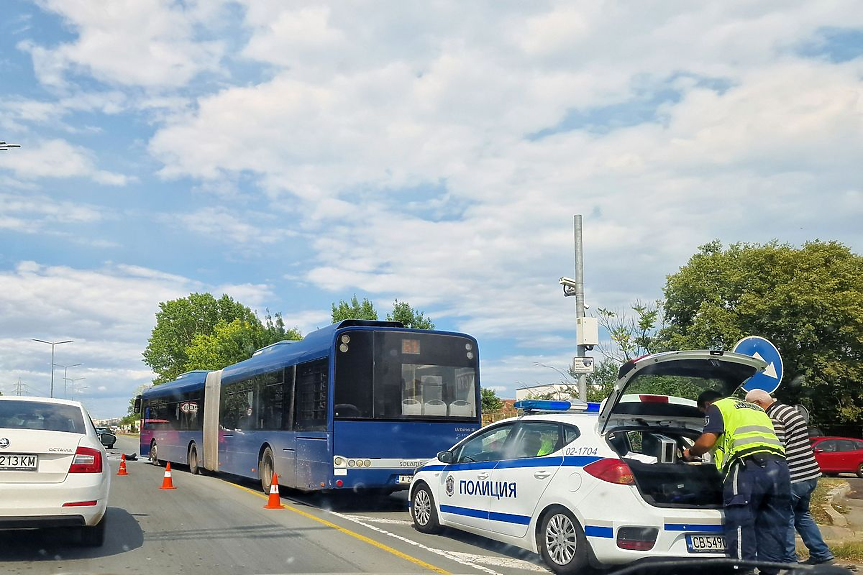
(542, 474)
(482, 476)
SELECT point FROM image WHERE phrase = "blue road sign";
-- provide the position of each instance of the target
(756, 346)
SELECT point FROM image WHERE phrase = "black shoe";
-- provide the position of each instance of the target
(813, 561)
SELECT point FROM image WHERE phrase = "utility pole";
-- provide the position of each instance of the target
(19, 388)
(579, 298)
(586, 333)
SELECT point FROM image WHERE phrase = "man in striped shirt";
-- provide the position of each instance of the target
(790, 428)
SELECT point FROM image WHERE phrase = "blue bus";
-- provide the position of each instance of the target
(356, 405)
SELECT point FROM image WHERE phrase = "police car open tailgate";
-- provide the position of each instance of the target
(723, 371)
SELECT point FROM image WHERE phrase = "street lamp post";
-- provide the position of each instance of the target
(52, 344)
(65, 379)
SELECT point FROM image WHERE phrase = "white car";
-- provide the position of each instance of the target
(53, 469)
(589, 485)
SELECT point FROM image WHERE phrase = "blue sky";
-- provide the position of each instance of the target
(292, 155)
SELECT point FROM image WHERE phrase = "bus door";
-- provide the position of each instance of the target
(212, 389)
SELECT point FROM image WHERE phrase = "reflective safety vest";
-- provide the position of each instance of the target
(748, 430)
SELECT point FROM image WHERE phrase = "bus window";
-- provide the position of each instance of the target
(311, 396)
(405, 375)
(354, 373)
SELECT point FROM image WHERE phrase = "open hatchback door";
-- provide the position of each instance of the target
(663, 387)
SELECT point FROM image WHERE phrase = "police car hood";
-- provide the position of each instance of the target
(658, 378)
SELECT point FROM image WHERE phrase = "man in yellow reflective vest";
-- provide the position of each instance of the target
(757, 485)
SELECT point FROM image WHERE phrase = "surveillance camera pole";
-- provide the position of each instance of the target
(579, 298)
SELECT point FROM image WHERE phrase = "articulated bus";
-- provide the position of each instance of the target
(356, 405)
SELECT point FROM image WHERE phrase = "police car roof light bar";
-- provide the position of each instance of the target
(534, 405)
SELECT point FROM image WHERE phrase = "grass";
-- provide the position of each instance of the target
(848, 551)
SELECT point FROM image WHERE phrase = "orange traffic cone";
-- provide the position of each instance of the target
(274, 502)
(167, 483)
(122, 465)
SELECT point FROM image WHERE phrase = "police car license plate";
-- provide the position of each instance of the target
(406, 478)
(18, 462)
(705, 543)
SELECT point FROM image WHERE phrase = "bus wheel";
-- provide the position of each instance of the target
(423, 511)
(194, 468)
(265, 469)
(154, 454)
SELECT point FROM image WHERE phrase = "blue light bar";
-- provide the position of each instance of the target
(592, 407)
(542, 405)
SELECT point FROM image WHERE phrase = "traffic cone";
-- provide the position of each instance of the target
(122, 465)
(167, 483)
(274, 502)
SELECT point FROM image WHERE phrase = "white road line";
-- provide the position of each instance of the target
(442, 553)
(385, 520)
(506, 562)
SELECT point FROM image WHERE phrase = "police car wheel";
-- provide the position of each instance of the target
(423, 511)
(562, 543)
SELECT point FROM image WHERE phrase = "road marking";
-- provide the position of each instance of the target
(385, 520)
(463, 558)
(354, 534)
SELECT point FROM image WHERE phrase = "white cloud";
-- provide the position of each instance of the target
(39, 214)
(58, 159)
(129, 42)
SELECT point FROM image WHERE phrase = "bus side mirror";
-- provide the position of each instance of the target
(138, 404)
(445, 456)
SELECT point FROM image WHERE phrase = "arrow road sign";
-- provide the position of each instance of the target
(756, 346)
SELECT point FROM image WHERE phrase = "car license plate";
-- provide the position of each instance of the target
(406, 478)
(705, 543)
(18, 462)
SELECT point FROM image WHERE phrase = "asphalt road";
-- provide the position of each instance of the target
(212, 525)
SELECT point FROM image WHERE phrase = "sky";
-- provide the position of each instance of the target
(293, 154)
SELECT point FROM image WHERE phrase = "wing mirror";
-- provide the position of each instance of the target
(108, 439)
(818, 450)
(445, 456)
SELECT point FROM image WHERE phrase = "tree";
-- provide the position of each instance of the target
(354, 310)
(234, 342)
(490, 401)
(402, 311)
(179, 322)
(631, 337)
(807, 301)
(410, 317)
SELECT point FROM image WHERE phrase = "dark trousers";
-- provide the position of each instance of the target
(757, 502)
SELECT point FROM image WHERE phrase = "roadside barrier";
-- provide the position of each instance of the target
(122, 465)
(274, 501)
(167, 483)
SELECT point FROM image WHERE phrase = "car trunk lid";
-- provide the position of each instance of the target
(53, 452)
(671, 375)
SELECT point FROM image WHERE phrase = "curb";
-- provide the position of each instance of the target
(837, 495)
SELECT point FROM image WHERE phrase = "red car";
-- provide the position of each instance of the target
(839, 455)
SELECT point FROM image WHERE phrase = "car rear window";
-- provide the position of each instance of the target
(41, 415)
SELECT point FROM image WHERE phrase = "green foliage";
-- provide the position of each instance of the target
(601, 382)
(179, 321)
(807, 301)
(354, 310)
(490, 400)
(402, 311)
(631, 337)
(234, 342)
(410, 317)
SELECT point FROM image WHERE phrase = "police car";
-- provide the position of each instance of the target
(590, 485)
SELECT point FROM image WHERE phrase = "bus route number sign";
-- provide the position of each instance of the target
(189, 407)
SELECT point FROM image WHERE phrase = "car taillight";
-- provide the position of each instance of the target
(86, 460)
(612, 471)
(653, 398)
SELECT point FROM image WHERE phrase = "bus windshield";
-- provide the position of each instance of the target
(405, 375)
